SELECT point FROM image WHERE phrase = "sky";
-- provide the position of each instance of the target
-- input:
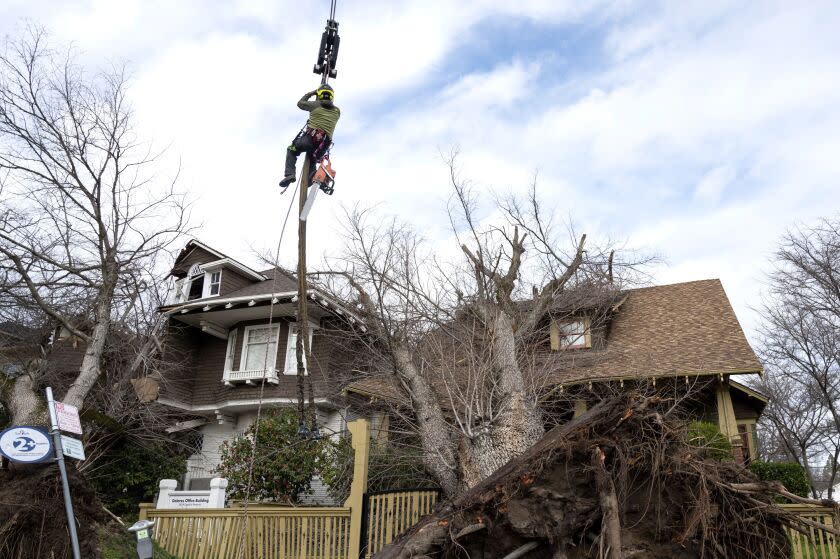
(697, 130)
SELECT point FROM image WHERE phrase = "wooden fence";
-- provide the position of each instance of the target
(389, 513)
(821, 545)
(270, 532)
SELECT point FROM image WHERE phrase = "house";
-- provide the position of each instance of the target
(683, 336)
(228, 327)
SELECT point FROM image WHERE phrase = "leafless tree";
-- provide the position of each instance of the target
(83, 212)
(455, 333)
(800, 342)
(794, 421)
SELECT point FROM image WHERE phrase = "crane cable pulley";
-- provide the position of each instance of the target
(326, 64)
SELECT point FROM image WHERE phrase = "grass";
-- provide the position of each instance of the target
(116, 545)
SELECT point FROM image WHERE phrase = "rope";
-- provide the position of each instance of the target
(265, 372)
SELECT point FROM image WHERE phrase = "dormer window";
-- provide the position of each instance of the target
(570, 334)
(196, 283)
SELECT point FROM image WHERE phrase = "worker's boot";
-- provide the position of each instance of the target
(287, 180)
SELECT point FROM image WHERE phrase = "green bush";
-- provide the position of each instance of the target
(130, 473)
(791, 474)
(390, 466)
(284, 463)
(709, 441)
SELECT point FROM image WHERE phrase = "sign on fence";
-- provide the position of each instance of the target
(213, 498)
(67, 417)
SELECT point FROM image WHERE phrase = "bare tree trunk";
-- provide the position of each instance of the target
(519, 424)
(438, 453)
(91, 363)
(23, 403)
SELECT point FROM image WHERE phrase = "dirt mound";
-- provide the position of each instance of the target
(618, 482)
(32, 520)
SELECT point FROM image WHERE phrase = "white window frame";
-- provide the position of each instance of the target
(581, 341)
(208, 284)
(290, 365)
(230, 353)
(559, 337)
(272, 361)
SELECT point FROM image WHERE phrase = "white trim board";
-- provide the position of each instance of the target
(237, 403)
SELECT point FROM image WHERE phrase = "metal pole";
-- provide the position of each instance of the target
(65, 485)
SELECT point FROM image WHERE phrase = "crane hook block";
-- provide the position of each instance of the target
(328, 51)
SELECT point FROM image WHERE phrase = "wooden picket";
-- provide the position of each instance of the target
(389, 513)
(818, 544)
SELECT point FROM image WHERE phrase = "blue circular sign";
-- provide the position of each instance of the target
(26, 444)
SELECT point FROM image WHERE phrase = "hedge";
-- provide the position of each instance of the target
(791, 474)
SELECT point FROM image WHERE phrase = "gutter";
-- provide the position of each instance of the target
(314, 294)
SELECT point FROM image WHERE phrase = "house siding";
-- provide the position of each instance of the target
(210, 352)
(196, 256)
(180, 350)
(232, 281)
(744, 408)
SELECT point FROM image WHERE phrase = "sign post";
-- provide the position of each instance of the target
(65, 485)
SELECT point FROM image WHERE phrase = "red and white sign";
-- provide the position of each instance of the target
(67, 417)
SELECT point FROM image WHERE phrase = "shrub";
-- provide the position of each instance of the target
(390, 466)
(790, 474)
(130, 473)
(710, 442)
(284, 463)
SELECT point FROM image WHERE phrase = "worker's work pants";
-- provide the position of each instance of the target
(314, 143)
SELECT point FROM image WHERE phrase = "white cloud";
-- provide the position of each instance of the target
(711, 186)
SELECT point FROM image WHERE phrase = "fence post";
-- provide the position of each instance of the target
(144, 508)
(360, 433)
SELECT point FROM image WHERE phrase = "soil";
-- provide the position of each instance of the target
(33, 524)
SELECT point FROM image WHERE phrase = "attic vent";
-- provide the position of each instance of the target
(195, 271)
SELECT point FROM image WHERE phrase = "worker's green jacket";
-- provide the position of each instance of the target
(320, 116)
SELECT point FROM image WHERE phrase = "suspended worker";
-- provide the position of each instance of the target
(316, 137)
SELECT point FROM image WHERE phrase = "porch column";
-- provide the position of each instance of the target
(726, 414)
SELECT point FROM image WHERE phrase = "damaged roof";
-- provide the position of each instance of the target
(669, 330)
(662, 331)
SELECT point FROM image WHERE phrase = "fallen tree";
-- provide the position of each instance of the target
(620, 481)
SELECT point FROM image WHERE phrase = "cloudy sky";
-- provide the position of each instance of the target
(698, 130)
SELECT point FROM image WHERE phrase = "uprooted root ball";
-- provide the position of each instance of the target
(33, 524)
(618, 482)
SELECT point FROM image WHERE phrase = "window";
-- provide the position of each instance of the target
(196, 283)
(259, 348)
(570, 334)
(213, 281)
(291, 350)
(231, 350)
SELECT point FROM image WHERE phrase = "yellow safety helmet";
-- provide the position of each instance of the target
(325, 93)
